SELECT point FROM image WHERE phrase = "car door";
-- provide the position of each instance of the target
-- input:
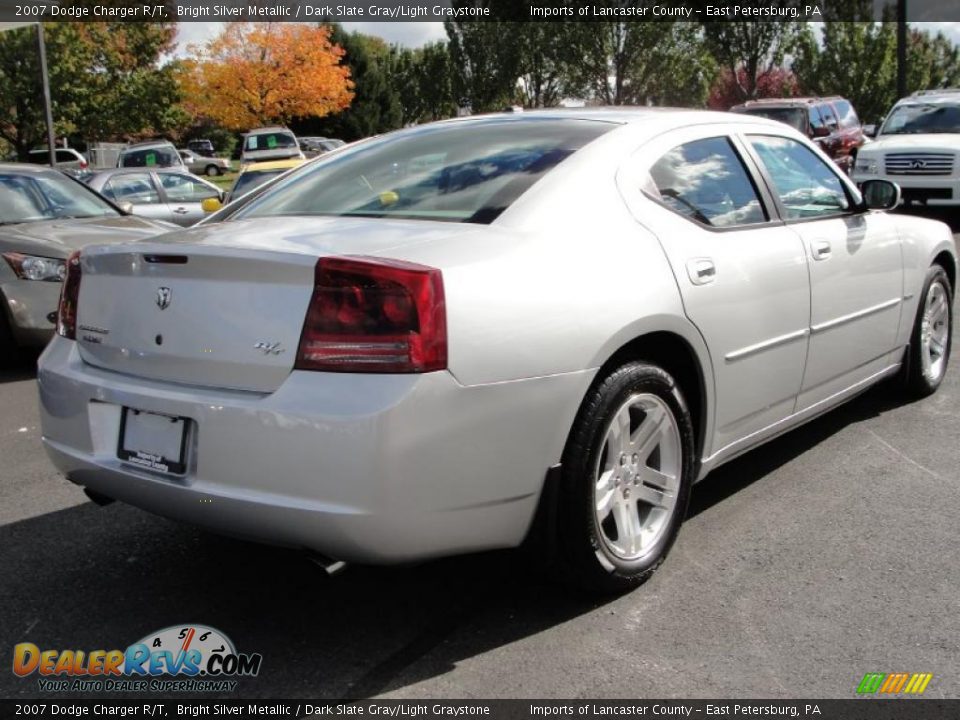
(856, 273)
(742, 275)
(184, 194)
(140, 190)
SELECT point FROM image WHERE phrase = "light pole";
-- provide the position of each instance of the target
(901, 48)
(51, 141)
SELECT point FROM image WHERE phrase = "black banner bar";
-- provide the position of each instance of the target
(863, 708)
(475, 10)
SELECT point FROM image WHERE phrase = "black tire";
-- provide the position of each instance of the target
(585, 553)
(212, 171)
(8, 347)
(918, 382)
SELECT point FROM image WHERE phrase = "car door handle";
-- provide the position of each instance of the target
(701, 271)
(181, 211)
(821, 249)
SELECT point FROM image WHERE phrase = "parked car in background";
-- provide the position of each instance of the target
(313, 146)
(202, 147)
(151, 154)
(536, 327)
(67, 159)
(164, 194)
(204, 165)
(831, 122)
(44, 216)
(270, 143)
(256, 174)
(918, 147)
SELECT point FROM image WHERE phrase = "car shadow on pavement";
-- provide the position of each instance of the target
(733, 477)
(21, 365)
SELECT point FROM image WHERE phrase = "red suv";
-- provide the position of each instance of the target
(831, 122)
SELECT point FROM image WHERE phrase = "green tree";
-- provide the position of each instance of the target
(750, 50)
(640, 63)
(106, 82)
(425, 81)
(377, 105)
(487, 60)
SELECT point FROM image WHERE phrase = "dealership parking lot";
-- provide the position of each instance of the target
(826, 554)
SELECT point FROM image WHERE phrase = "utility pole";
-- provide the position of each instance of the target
(52, 142)
(901, 48)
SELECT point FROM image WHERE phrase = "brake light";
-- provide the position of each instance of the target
(374, 315)
(69, 294)
(83, 164)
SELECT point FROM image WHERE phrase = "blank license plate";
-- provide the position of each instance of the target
(155, 442)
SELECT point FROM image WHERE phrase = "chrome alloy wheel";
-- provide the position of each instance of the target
(637, 476)
(935, 331)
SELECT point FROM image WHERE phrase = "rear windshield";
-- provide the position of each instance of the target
(458, 172)
(270, 141)
(150, 157)
(53, 196)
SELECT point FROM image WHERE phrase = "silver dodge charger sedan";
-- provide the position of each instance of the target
(536, 328)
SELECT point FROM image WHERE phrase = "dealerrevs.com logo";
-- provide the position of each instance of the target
(180, 658)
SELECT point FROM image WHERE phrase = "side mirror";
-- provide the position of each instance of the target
(870, 131)
(880, 194)
(126, 208)
(211, 205)
(821, 131)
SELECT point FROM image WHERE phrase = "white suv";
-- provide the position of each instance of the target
(918, 147)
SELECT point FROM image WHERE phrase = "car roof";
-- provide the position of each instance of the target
(146, 144)
(788, 102)
(27, 169)
(273, 165)
(271, 128)
(927, 97)
(134, 170)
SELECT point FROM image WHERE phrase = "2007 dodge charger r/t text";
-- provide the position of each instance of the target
(537, 327)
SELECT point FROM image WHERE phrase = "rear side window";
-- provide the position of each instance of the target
(828, 117)
(457, 172)
(706, 181)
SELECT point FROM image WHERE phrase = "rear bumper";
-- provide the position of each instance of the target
(364, 468)
(29, 304)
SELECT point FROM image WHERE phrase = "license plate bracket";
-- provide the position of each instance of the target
(153, 441)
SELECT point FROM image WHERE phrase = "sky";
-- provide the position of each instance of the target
(410, 34)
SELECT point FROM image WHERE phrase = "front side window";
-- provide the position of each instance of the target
(705, 181)
(828, 117)
(456, 172)
(805, 184)
(846, 113)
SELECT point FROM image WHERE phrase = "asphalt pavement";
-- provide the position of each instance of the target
(826, 554)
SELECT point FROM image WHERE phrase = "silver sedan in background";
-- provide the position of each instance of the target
(204, 165)
(44, 216)
(170, 194)
(539, 327)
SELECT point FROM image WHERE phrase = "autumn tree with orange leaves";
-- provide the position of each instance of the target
(256, 74)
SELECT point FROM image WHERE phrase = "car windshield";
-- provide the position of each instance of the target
(794, 117)
(249, 180)
(456, 172)
(928, 118)
(32, 198)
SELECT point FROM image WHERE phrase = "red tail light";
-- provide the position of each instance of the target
(69, 294)
(374, 315)
(83, 164)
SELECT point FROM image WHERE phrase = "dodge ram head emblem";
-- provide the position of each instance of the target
(163, 298)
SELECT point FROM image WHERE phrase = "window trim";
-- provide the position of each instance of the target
(856, 206)
(766, 200)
